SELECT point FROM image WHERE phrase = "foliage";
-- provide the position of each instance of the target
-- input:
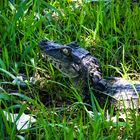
(110, 30)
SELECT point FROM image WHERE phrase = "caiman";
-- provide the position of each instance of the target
(78, 64)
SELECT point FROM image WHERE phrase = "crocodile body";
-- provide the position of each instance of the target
(121, 92)
(77, 63)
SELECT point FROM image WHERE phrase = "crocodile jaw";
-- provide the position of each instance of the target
(68, 69)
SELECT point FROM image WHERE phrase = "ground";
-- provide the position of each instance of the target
(109, 30)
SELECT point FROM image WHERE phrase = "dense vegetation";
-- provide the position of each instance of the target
(110, 30)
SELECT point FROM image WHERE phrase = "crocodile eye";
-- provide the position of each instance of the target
(66, 51)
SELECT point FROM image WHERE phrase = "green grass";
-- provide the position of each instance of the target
(110, 31)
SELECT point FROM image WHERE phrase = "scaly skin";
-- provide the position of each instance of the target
(77, 63)
(121, 92)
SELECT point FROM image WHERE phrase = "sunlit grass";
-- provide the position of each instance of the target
(109, 30)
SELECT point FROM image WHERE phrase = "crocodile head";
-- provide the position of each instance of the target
(71, 60)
